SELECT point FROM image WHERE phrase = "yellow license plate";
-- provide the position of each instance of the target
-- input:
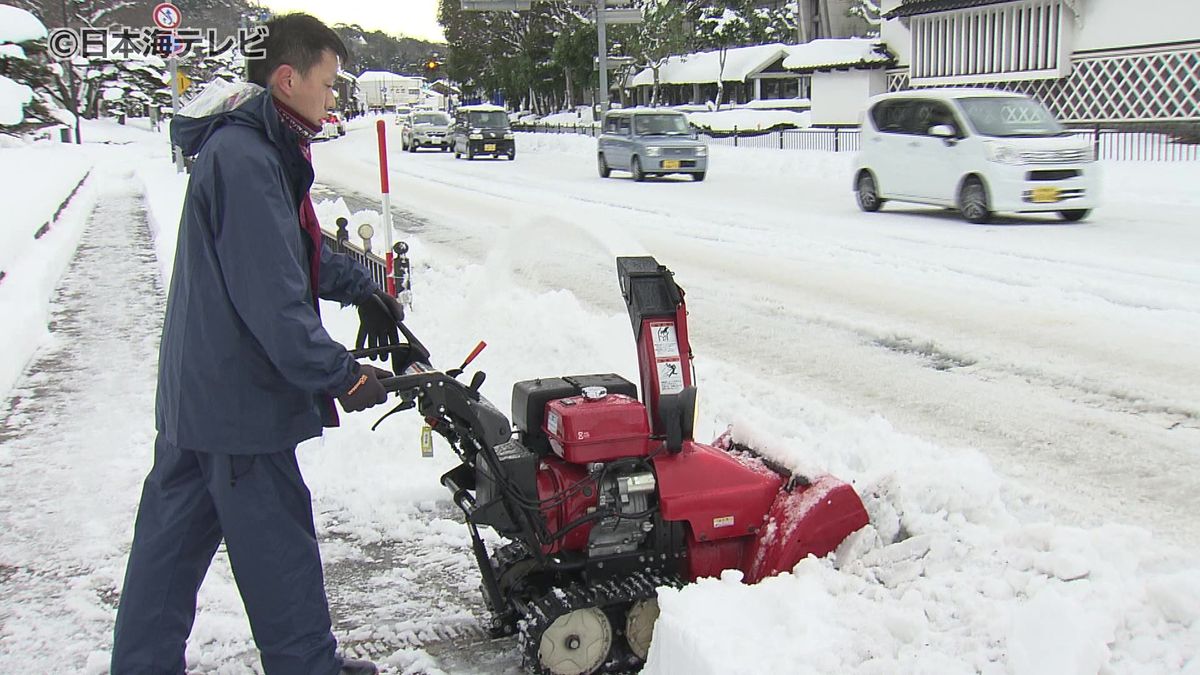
(489, 147)
(1045, 195)
(670, 164)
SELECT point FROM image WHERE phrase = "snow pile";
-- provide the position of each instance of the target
(35, 181)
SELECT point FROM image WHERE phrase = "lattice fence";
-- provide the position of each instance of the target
(1115, 87)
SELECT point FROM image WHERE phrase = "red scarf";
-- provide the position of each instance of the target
(308, 218)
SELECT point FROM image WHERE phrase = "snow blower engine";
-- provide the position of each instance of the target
(604, 498)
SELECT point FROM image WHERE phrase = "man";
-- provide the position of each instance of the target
(246, 371)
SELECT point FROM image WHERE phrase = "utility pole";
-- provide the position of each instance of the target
(602, 55)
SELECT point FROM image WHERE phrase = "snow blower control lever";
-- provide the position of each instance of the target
(602, 498)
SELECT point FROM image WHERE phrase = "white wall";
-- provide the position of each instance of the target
(840, 97)
(895, 34)
(1104, 24)
(1107, 24)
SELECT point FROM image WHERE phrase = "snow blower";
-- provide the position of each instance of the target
(604, 498)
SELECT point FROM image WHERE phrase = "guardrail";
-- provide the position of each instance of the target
(1110, 144)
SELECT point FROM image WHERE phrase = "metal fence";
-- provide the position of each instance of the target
(340, 243)
(1110, 144)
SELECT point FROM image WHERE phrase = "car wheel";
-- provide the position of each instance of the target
(602, 165)
(868, 193)
(470, 153)
(973, 202)
(636, 169)
(1074, 215)
(512, 154)
(698, 176)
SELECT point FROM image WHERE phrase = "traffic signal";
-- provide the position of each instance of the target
(431, 68)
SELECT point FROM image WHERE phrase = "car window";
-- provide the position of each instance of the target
(489, 119)
(623, 126)
(892, 116)
(670, 125)
(430, 118)
(1010, 116)
(610, 124)
(924, 115)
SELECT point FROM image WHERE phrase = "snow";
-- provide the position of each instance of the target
(1016, 403)
(14, 96)
(741, 62)
(704, 67)
(11, 52)
(18, 25)
(830, 53)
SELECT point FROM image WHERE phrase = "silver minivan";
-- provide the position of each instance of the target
(650, 142)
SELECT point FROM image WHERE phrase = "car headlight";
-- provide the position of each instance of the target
(476, 137)
(653, 151)
(702, 151)
(508, 136)
(1001, 153)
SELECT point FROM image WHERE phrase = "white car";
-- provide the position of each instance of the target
(976, 150)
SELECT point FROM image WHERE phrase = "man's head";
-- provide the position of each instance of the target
(301, 64)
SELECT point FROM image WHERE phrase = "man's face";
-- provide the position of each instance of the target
(311, 94)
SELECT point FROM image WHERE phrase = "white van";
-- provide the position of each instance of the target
(976, 150)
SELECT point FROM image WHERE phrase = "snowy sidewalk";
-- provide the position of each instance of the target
(76, 441)
(75, 445)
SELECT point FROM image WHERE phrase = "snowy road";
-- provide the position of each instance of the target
(1065, 352)
(1005, 398)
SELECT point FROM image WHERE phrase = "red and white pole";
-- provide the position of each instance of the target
(381, 132)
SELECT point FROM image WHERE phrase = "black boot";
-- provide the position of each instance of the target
(355, 667)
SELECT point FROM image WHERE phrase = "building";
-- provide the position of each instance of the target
(833, 76)
(1089, 61)
(385, 91)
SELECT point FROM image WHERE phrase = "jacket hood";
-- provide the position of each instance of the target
(219, 104)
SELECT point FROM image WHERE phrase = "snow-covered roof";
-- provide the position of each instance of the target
(481, 107)
(836, 53)
(742, 62)
(18, 25)
(384, 76)
(704, 67)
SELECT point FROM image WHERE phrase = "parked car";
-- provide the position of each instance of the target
(331, 127)
(425, 129)
(650, 142)
(975, 150)
(482, 130)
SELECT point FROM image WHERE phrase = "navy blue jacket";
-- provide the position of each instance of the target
(245, 366)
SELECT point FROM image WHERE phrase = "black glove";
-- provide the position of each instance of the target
(378, 316)
(366, 390)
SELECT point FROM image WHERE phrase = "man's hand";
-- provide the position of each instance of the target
(366, 390)
(378, 316)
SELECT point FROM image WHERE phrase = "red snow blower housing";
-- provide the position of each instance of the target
(605, 497)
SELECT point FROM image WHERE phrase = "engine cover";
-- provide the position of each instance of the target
(583, 430)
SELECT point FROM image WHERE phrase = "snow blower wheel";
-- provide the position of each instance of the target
(576, 643)
(639, 626)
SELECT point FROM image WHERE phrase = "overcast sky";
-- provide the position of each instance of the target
(414, 18)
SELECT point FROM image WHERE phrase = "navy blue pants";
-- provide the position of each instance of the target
(260, 505)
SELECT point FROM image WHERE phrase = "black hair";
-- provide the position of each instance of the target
(298, 40)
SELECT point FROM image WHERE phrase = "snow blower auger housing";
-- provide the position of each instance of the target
(605, 497)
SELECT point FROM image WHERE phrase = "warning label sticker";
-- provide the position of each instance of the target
(664, 340)
(670, 376)
(725, 521)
